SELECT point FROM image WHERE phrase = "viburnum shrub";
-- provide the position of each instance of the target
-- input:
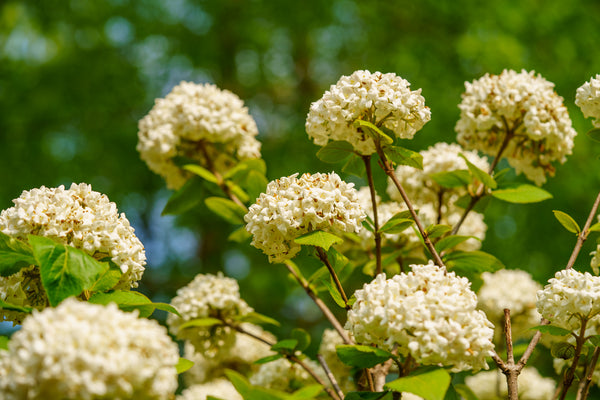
(416, 329)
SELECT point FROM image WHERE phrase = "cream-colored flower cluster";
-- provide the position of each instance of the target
(78, 217)
(588, 99)
(294, 206)
(428, 314)
(219, 388)
(491, 385)
(383, 99)
(570, 297)
(512, 289)
(199, 122)
(283, 375)
(87, 351)
(208, 296)
(525, 105)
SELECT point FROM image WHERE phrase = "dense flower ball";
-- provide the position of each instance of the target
(208, 296)
(570, 297)
(219, 388)
(78, 217)
(283, 375)
(588, 99)
(427, 314)
(512, 289)
(525, 105)
(200, 122)
(87, 351)
(491, 385)
(294, 206)
(384, 99)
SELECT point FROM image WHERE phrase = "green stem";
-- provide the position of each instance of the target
(338, 284)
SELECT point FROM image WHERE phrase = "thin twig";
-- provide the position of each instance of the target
(512, 372)
(330, 375)
(570, 374)
(584, 386)
(338, 284)
(534, 341)
(583, 234)
(376, 233)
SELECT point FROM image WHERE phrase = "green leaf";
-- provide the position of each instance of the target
(594, 134)
(14, 307)
(595, 227)
(373, 130)
(14, 255)
(306, 393)
(268, 359)
(285, 346)
(369, 396)
(256, 183)
(362, 356)
(355, 166)
(522, 193)
(250, 392)
(201, 323)
(240, 235)
(335, 152)
(4, 342)
(451, 241)
(398, 223)
(241, 170)
(434, 231)
(201, 172)
(430, 384)
(302, 337)
(186, 198)
(562, 350)
(238, 192)
(451, 394)
(472, 261)
(108, 279)
(595, 340)
(319, 238)
(258, 319)
(480, 206)
(64, 270)
(552, 330)
(464, 391)
(452, 179)
(480, 174)
(183, 365)
(402, 156)
(226, 209)
(334, 292)
(567, 221)
(130, 300)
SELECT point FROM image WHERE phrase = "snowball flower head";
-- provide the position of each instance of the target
(88, 351)
(200, 122)
(525, 110)
(382, 99)
(78, 217)
(570, 297)
(219, 388)
(294, 206)
(427, 314)
(208, 296)
(491, 385)
(588, 99)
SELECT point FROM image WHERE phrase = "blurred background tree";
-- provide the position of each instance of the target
(76, 76)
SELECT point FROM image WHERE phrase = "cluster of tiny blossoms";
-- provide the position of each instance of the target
(383, 99)
(522, 105)
(87, 351)
(570, 297)
(428, 314)
(588, 99)
(491, 385)
(294, 206)
(199, 122)
(219, 388)
(208, 296)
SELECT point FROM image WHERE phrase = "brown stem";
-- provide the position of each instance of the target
(583, 234)
(338, 284)
(584, 386)
(570, 374)
(330, 376)
(376, 233)
(512, 373)
(534, 341)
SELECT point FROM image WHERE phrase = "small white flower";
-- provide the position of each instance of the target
(527, 106)
(294, 206)
(197, 122)
(377, 98)
(427, 314)
(491, 385)
(588, 99)
(219, 388)
(86, 351)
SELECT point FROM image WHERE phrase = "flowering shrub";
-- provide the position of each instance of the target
(68, 260)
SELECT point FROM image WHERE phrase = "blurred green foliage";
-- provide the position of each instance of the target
(76, 76)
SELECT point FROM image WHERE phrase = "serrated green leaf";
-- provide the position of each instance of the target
(186, 198)
(595, 227)
(472, 261)
(14, 255)
(319, 238)
(480, 174)
(306, 393)
(522, 194)
(335, 152)
(452, 179)
(334, 292)
(285, 346)
(4, 342)
(183, 365)
(64, 270)
(201, 172)
(552, 330)
(567, 221)
(14, 307)
(302, 337)
(402, 156)
(201, 323)
(594, 134)
(256, 183)
(431, 384)
(355, 166)
(226, 209)
(258, 319)
(464, 391)
(434, 231)
(240, 235)
(373, 130)
(451, 241)
(362, 356)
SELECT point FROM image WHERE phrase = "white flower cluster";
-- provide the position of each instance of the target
(491, 385)
(570, 297)
(383, 99)
(429, 314)
(208, 296)
(294, 206)
(87, 351)
(588, 99)
(283, 375)
(219, 388)
(342, 372)
(198, 122)
(527, 106)
(512, 289)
